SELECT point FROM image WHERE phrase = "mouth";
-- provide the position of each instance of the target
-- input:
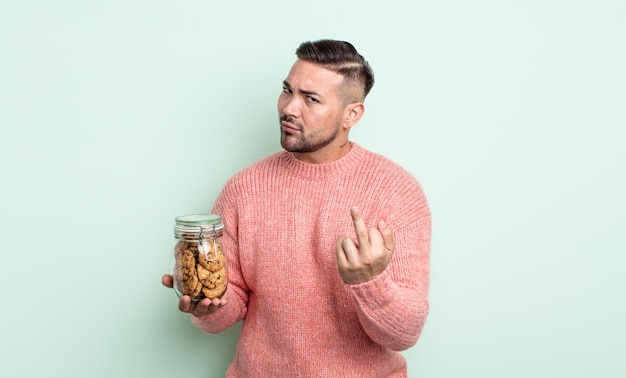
(289, 127)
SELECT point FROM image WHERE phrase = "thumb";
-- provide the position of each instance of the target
(167, 280)
(385, 231)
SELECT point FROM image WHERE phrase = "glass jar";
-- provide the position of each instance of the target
(200, 263)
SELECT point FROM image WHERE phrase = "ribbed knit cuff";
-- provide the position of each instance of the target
(378, 290)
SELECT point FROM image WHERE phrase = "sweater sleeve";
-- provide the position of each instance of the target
(393, 307)
(237, 290)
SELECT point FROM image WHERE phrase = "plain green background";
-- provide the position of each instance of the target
(118, 116)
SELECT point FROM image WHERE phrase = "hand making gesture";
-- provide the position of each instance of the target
(361, 260)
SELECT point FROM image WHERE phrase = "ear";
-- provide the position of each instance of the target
(352, 114)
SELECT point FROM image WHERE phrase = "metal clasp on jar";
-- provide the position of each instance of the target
(206, 246)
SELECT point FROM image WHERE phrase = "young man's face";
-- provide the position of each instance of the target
(310, 109)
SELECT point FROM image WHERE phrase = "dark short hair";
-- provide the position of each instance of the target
(340, 57)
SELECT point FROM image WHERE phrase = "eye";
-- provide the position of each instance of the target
(286, 90)
(311, 99)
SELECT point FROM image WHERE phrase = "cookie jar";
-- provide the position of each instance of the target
(200, 263)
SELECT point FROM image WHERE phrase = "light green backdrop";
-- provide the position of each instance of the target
(117, 116)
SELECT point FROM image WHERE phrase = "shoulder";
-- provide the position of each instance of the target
(247, 181)
(256, 171)
(394, 185)
(383, 168)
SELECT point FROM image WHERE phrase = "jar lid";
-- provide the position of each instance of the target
(197, 223)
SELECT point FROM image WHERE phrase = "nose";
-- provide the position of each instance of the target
(288, 105)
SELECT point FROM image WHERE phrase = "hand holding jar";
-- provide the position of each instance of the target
(200, 275)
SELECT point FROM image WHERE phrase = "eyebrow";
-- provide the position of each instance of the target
(303, 91)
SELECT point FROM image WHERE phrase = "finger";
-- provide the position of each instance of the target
(341, 255)
(359, 226)
(350, 251)
(375, 237)
(216, 301)
(385, 231)
(223, 300)
(167, 280)
(184, 304)
(202, 308)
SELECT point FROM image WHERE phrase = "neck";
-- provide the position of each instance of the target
(327, 154)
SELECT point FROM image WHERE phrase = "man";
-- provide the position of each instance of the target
(327, 243)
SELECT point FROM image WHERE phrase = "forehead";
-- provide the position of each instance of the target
(312, 77)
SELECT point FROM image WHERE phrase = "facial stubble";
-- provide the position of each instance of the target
(304, 143)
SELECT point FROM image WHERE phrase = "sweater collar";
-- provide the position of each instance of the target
(311, 171)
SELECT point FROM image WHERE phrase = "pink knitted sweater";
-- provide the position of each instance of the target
(282, 218)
